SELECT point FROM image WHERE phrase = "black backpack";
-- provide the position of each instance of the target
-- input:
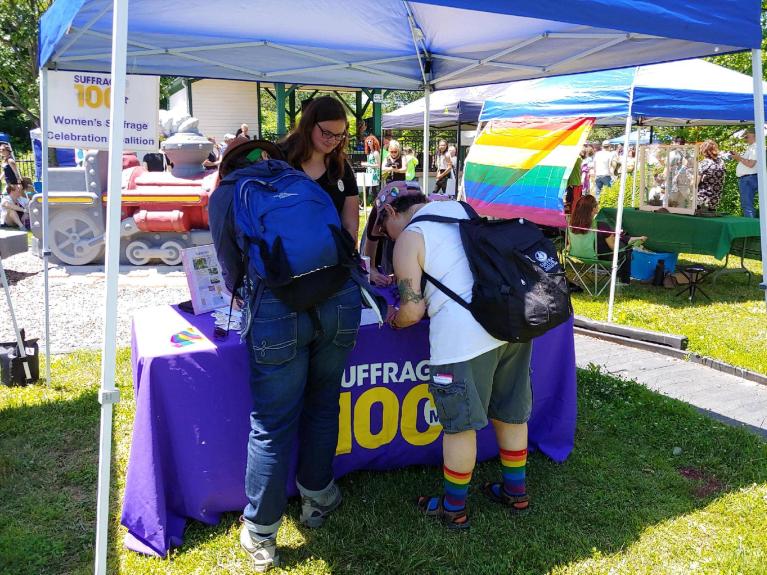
(520, 290)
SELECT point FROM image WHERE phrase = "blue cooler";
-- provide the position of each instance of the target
(643, 263)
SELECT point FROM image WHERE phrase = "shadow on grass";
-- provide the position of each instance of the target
(622, 478)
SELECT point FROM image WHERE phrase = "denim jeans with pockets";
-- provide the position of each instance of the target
(297, 361)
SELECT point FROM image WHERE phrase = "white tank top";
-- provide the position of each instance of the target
(454, 334)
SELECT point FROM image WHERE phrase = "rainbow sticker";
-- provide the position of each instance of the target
(186, 337)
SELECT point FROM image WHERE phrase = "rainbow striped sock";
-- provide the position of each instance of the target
(513, 466)
(456, 489)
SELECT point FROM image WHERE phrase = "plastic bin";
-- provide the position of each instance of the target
(643, 263)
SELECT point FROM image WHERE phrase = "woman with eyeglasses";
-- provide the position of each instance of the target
(316, 147)
(393, 166)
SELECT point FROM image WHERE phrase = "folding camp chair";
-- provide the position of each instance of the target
(580, 255)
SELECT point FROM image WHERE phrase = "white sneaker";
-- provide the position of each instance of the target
(314, 513)
(263, 552)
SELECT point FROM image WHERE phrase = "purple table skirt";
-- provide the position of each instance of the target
(191, 427)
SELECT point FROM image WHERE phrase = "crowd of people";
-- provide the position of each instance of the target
(296, 394)
(14, 203)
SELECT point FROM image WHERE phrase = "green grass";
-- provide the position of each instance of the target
(731, 328)
(622, 503)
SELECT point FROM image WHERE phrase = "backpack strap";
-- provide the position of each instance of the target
(471, 212)
(447, 291)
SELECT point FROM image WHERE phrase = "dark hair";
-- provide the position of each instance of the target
(583, 214)
(298, 144)
(404, 203)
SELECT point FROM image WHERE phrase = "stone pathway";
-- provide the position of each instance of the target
(728, 398)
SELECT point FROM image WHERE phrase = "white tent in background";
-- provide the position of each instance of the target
(391, 44)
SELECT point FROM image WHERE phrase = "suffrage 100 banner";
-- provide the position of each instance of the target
(78, 111)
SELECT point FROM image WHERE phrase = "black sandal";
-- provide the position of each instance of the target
(458, 520)
(515, 503)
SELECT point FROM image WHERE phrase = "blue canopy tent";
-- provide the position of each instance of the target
(636, 137)
(391, 44)
(690, 92)
(672, 93)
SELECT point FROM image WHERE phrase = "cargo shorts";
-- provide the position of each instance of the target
(493, 385)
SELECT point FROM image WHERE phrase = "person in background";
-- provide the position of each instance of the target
(710, 176)
(227, 139)
(13, 211)
(602, 160)
(372, 163)
(410, 160)
(582, 221)
(378, 247)
(393, 166)
(443, 165)
(631, 161)
(587, 161)
(11, 173)
(214, 158)
(154, 162)
(243, 130)
(474, 380)
(748, 184)
(574, 184)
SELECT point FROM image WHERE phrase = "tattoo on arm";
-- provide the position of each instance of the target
(406, 292)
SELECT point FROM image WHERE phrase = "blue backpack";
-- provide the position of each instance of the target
(292, 234)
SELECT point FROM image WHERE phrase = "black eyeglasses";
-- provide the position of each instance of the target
(328, 135)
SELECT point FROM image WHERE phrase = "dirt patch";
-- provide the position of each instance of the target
(706, 484)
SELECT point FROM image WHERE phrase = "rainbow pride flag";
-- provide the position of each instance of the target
(519, 167)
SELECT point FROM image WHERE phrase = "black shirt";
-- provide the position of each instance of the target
(341, 188)
(10, 175)
(154, 162)
(397, 165)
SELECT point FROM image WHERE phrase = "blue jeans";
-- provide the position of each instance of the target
(601, 182)
(748, 186)
(296, 365)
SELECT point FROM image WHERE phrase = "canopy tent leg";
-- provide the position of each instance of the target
(761, 175)
(425, 166)
(108, 393)
(458, 161)
(279, 96)
(260, 130)
(46, 231)
(636, 168)
(619, 214)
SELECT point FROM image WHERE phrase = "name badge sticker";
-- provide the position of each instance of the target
(443, 378)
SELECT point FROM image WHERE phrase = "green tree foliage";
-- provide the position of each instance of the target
(18, 55)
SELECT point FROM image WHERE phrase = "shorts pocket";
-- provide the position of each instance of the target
(274, 340)
(348, 325)
(452, 403)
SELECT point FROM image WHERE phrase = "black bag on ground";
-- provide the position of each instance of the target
(12, 364)
(520, 289)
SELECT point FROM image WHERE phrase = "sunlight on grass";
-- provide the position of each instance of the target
(732, 328)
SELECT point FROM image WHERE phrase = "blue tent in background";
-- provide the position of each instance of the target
(674, 93)
(644, 137)
(691, 92)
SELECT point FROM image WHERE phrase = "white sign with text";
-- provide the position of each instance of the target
(78, 111)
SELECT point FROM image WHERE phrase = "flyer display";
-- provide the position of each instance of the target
(203, 274)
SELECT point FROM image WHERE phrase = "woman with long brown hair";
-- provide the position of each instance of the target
(583, 221)
(316, 147)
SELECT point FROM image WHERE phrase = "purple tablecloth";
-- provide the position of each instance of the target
(191, 427)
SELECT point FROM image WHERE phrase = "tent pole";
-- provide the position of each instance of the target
(636, 171)
(458, 161)
(46, 230)
(426, 90)
(757, 73)
(619, 215)
(109, 394)
(260, 130)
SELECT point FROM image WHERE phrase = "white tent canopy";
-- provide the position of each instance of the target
(386, 44)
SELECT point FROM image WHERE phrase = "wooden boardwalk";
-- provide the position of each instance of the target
(728, 398)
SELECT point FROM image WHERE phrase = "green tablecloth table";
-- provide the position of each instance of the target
(687, 234)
